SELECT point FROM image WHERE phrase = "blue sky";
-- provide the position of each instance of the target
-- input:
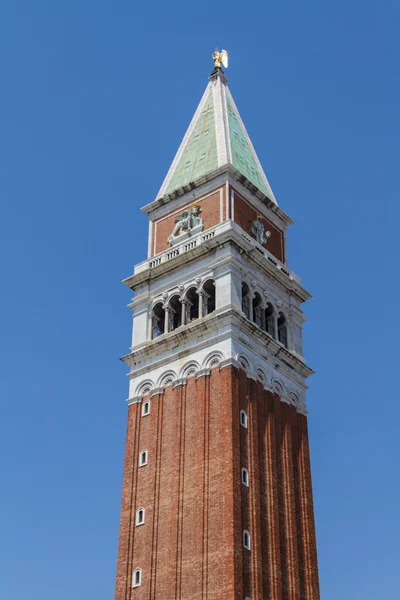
(96, 98)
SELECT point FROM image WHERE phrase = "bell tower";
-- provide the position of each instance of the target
(217, 498)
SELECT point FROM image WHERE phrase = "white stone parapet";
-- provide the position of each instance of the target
(214, 232)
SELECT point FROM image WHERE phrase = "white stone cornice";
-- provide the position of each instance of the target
(179, 382)
(268, 388)
(224, 233)
(135, 400)
(251, 375)
(156, 391)
(196, 188)
(229, 362)
(229, 353)
(203, 373)
(223, 324)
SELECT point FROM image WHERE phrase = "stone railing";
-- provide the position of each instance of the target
(206, 236)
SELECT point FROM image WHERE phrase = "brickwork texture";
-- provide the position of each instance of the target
(190, 546)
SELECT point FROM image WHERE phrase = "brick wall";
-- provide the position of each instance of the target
(213, 211)
(245, 212)
(190, 547)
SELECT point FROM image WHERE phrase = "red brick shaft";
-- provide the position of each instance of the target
(190, 546)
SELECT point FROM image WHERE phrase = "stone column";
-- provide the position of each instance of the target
(167, 319)
(184, 303)
(289, 335)
(276, 317)
(202, 295)
(263, 307)
(149, 332)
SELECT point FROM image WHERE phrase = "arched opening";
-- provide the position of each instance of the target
(245, 300)
(158, 320)
(137, 578)
(140, 516)
(192, 308)
(282, 330)
(175, 313)
(146, 408)
(209, 297)
(143, 458)
(257, 312)
(270, 320)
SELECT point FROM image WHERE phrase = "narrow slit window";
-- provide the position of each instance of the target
(245, 477)
(143, 458)
(146, 408)
(140, 516)
(246, 539)
(137, 578)
(243, 418)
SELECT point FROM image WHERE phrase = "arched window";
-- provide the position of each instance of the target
(282, 330)
(209, 297)
(146, 408)
(137, 578)
(192, 307)
(143, 458)
(257, 312)
(158, 321)
(246, 539)
(245, 477)
(245, 300)
(175, 313)
(270, 320)
(140, 515)
(243, 418)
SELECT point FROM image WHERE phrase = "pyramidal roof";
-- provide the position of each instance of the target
(216, 137)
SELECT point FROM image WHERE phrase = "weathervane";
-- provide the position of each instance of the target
(220, 58)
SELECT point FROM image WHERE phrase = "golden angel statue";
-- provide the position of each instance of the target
(220, 58)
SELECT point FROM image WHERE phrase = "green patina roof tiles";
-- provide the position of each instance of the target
(200, 154)
(242, 155)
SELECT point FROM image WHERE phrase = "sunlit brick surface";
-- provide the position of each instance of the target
(190, 547)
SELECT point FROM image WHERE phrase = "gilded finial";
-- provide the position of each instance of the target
(220, 58)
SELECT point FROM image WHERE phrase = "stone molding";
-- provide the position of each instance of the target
(227, 232)
(277, 383)
(213, 323)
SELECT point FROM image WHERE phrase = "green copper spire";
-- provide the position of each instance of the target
(243, 155)
(200, 154)
(216, 137)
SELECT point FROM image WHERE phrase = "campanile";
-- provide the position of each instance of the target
(217, 498)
